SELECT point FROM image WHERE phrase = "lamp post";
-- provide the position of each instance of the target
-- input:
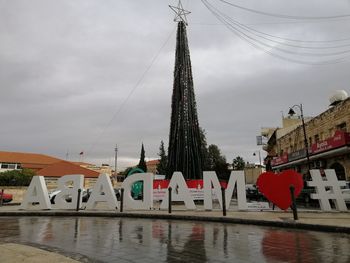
(254, 154)
(291, 113)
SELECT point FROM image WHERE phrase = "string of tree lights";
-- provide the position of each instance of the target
(309, 52)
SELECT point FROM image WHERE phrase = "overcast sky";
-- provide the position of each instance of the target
(84, 75)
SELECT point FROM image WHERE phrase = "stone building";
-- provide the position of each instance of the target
(152, 166)
(103, 169)
(328, 139)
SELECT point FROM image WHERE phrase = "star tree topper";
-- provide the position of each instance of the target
(180, 13)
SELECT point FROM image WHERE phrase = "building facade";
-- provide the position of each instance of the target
(328, 140)
(152, 166)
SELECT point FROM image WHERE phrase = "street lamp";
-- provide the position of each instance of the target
(254, 154)
(291, 113)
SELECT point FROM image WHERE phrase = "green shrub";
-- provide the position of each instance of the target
(16, 177)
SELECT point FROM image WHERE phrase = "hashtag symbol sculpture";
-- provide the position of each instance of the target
(324, 195)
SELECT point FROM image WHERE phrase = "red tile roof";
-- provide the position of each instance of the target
(27, 158)
(64, 168)
(152, 162)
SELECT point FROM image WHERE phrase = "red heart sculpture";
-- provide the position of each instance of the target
(275, 187)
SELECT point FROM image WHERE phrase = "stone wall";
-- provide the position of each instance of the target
(252, 174)
(16, 191)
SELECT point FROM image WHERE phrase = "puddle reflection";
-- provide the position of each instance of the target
(112, 239)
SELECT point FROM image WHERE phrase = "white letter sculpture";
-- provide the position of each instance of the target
(77, 181)
(237, 177)
(147, 202)
(102, 192)
(180, 192)
(211, 180)
(211, 185)
(324, 196)
(36, 193)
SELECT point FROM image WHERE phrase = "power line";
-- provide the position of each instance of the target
(257, 43)
(278, 23)
(289, 39)
(285, 16)
(138, 82)
(262, 35)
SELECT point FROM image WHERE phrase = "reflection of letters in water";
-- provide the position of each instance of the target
(178, 241)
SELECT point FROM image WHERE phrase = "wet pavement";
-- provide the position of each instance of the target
(101, 239)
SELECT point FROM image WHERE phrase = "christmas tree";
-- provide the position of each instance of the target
(184, 152)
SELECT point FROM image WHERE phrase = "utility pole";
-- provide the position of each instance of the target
(115, 160)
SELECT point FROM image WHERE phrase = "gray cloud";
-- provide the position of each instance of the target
(68, 67)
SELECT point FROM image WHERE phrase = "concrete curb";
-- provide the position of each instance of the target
(283, 224)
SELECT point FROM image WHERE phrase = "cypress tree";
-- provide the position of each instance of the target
(163, 160)
(142, 163)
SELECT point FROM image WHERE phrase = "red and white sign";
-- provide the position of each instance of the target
(279, 160)
(339, 139)
(160, 188)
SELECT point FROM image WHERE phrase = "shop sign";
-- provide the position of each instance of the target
(297, 155)
(279, 160)
(340, 138)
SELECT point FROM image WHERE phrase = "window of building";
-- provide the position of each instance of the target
(330, 132)
(342, 126)
(322, 136)
(12, 166)
(8, 166)
(317, 138)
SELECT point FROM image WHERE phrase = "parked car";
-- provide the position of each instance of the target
(252, 193)
(347, 185)
(53, 194)
(305, 196)
(85, 195)
(345, 190)
(118, 193)
(6, 198)
(346, 194)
